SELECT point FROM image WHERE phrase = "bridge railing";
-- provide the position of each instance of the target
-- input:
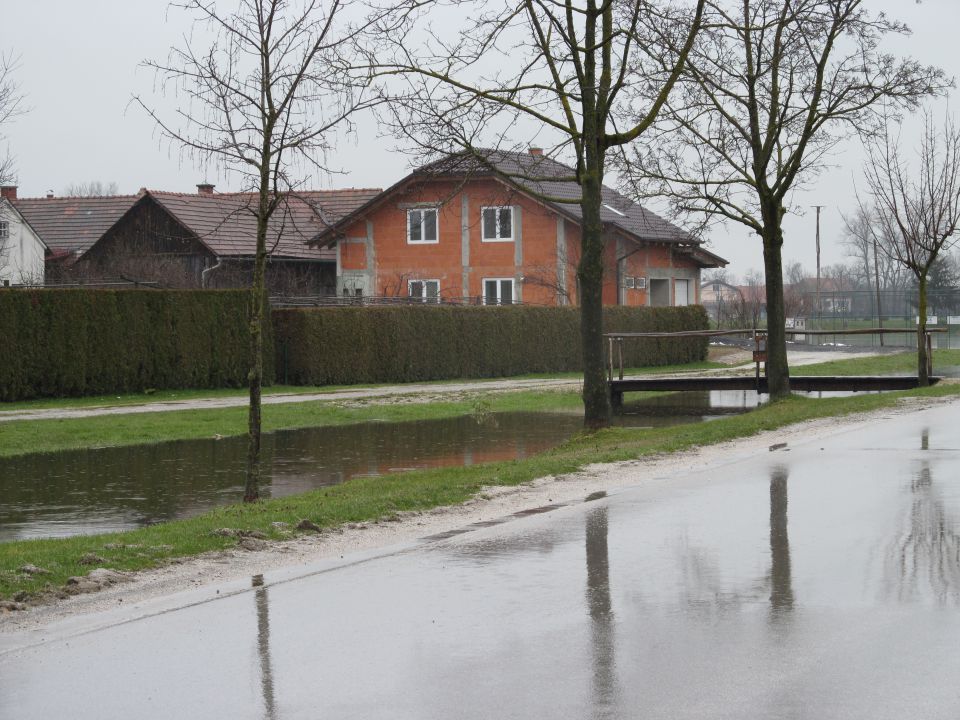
(758, 335)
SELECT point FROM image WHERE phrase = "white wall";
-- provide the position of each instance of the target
(21, 254)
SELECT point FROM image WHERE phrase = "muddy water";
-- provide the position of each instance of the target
(90, 491)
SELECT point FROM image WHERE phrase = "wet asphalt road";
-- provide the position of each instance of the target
(819, 581)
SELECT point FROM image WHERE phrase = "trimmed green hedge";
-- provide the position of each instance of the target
(343, 346)
(88, 342)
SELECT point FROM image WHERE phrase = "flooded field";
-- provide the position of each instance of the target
(103, 490)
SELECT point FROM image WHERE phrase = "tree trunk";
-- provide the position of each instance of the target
(596, 397)
(778, 370)
(923, 376)
(257, 307)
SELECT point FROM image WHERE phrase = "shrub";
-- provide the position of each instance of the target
(88, 342)
(321, 346)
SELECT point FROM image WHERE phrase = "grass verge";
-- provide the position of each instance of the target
(379, 498)
(25, 437)
(904, 363)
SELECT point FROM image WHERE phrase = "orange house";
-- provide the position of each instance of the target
(504, 228)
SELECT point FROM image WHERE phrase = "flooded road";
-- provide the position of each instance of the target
(816, 581)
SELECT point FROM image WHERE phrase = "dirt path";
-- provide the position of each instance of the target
(412, 392)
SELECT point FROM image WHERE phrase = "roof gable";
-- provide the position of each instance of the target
(226, 222)
(73, 224)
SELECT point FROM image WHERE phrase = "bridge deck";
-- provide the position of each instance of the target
(749, 382)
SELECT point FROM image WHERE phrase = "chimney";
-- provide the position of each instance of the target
(49, 194)
(204, 189)
(8, 192)
(535, 151)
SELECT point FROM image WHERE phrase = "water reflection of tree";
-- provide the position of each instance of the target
(263, 647)
(601, 614)
(703, 586)
(781, 573)
(927, 552)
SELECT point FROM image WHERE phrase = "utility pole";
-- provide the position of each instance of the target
(819, 307)
(876, 276)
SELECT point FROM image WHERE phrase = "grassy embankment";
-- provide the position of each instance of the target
(381, 498)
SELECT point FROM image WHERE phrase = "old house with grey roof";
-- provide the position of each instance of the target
(502, 228)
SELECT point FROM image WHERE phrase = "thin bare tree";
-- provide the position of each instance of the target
(770, 89)
(11, 106)
(94, 188)
(261, 102)
(917, 209)
(556, 74)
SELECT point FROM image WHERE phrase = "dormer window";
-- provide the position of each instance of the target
(422, 226)
(497, 224)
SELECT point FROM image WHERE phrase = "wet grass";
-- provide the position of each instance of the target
(40, 436)
(380, 499)
(904, 363)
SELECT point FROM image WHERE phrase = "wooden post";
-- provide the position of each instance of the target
(620, 355)
(610, 359)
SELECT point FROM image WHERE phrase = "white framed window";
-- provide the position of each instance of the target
(4, 229)
(422, 226)
(641, 283)
(424, 290)
(498, 291)
(496, 224)
(629, 282)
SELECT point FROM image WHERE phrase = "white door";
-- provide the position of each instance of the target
(681, 292)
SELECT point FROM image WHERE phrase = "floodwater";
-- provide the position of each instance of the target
(103, 490)
(820, 581)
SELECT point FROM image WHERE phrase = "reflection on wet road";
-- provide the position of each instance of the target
(819, 581)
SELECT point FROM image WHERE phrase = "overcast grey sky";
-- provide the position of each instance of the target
(79, 68)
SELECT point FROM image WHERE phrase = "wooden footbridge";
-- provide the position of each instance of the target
(618, 384)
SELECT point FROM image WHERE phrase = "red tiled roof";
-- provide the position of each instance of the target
(226, 223)
(73, 224)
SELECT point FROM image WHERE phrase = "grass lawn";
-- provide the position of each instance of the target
(34, 436)
(382, 497)
(904, 363)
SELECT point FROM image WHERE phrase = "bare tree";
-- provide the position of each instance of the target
(875, 269)
(94, 188)
(770, 88)
(11, 106)
(917, 209)
(563, 70)
(260, 102)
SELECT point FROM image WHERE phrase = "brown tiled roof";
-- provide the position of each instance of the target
(73, 224)
(225, 222)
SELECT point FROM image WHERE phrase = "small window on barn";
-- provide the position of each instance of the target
(4, 229)
(422, 225)
(497, 224)
(424, 290)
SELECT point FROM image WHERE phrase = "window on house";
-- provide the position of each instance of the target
(424, 290)
(498, 291)
(422, 225)
(497, 224)
(4, 229)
